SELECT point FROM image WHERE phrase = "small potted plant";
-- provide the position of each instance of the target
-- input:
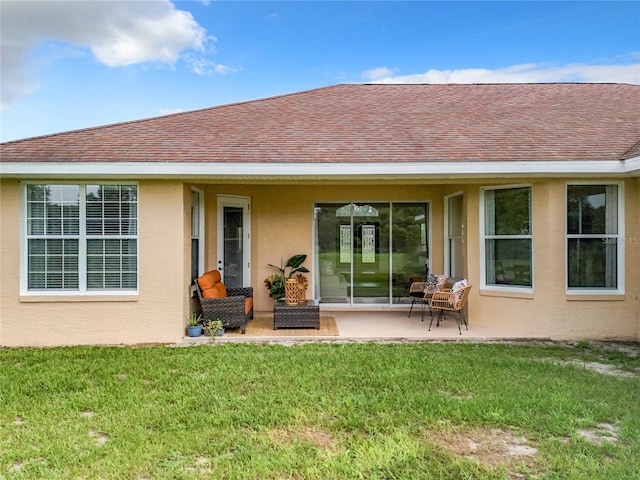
(194, 325)
(215, 327)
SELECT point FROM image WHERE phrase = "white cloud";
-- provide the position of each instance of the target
(202, 66)
(118, 33)
(527, 73)
(378, 73)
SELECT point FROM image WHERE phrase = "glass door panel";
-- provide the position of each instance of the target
(234, 240)
(370, 253)
(410, 257)
(233, 246)
(333, 253)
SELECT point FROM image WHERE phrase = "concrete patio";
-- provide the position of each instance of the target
(391, 325)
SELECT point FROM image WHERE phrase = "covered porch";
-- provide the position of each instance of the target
(360, 253)
(391, 325)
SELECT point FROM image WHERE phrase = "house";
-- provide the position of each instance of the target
(530, 191)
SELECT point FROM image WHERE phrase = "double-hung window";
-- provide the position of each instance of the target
(81, 238)
(507, 237)
(595, 238)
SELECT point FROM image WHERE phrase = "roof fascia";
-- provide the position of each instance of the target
(390, 170)
(633, 166)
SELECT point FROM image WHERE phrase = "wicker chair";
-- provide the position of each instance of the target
(234, 309)
(421, 292)
(450, 301)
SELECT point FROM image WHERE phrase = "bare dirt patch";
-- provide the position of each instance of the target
(598, 367)
(600, 434)
(494, 447)
(202, 465)
(318, 437)
(630, 349)
(605, 369)
(99, 438)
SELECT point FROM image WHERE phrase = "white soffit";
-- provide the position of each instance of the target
(262, 171)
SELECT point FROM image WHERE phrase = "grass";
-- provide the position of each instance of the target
(317, 411)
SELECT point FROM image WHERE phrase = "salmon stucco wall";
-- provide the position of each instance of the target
(550, 311)
(282, 225)
(282, 222)
(155, 314)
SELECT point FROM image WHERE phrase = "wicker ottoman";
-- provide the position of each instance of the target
(305, 315)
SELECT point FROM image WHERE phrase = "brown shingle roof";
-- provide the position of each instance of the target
(372, 123)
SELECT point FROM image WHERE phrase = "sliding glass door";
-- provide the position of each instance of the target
(368, 253)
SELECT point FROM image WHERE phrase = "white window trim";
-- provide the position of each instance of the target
(82, 265)
(447, 238)
(483, 238)
(201, 229)
(620, 236)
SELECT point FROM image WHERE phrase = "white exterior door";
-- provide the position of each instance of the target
(234, 240)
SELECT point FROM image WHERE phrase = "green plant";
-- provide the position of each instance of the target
(214, 326)
(194, 319)
(275, 283)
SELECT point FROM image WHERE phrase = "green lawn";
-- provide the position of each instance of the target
(319, 411)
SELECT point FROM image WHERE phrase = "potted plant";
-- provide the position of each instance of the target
(215, 327)
(194, 325)
(276, 283)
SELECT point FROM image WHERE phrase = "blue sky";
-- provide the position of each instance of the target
(77, 64)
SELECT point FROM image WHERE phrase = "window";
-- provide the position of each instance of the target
(594, 237)
(81, 238)
(507, 239)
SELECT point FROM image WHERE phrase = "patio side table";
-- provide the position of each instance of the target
(303, 315)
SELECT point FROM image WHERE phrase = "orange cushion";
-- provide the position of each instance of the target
(217, 291)
(248, 304)
(209, 279)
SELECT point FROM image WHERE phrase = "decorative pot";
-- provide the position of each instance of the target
(194, 330)
(291, 291)
(219, 333)
(302, 293)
